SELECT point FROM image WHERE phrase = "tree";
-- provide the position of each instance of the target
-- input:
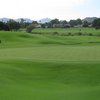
(54, 21)
(85, 24)
(64, 24)
(22, 23)
(6, 27)
(75, 22)
(1, 26)
(96, 23)
(13, 25)
(72, 23)
(79, 21)
(34, 22)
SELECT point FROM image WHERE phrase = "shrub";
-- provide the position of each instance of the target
(79, 33)
(30, 28)
(97, 27)
(90, 34)
(69, 34)
(55, 33)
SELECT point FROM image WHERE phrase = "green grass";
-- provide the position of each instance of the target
(49, 67)
(67, 30)
(22, 39)
(27, 80)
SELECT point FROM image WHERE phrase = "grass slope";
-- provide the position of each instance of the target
(41, 67)
(68, 30)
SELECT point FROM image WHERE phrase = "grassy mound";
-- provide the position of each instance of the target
(22, 39)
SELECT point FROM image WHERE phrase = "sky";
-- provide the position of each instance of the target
(38, 9)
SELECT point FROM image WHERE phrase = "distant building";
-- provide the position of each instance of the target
(38, 26)
(61, 25)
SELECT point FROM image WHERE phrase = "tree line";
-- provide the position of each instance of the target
(13, 25)
(55, 23)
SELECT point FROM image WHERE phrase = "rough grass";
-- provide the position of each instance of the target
(67, 31)
(22, 39)
(47, 67)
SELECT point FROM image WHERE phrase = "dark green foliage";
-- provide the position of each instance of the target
(54, 21)
(4, 26)
(96, 23)
(75, 22)
(79, 21)
(13, 25)
(1, 25)
(55, 33)
(85, 24)
(79, 34)
(90, 34)
(69, 34)
(97, 27)
(72, 23)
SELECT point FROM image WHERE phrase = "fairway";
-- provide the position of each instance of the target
(68, 30)
(49, 67)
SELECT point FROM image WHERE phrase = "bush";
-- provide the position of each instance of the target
(30, 28)
(97, 27)
(90, 34)
(69, 34)
(55, 33)
(79, 33)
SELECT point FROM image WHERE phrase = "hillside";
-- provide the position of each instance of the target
(22, 39)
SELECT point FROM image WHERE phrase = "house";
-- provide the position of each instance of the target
(78, 26)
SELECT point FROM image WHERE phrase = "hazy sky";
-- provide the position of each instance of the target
(37, 9)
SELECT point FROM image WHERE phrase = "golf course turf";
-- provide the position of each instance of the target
(49, 67)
